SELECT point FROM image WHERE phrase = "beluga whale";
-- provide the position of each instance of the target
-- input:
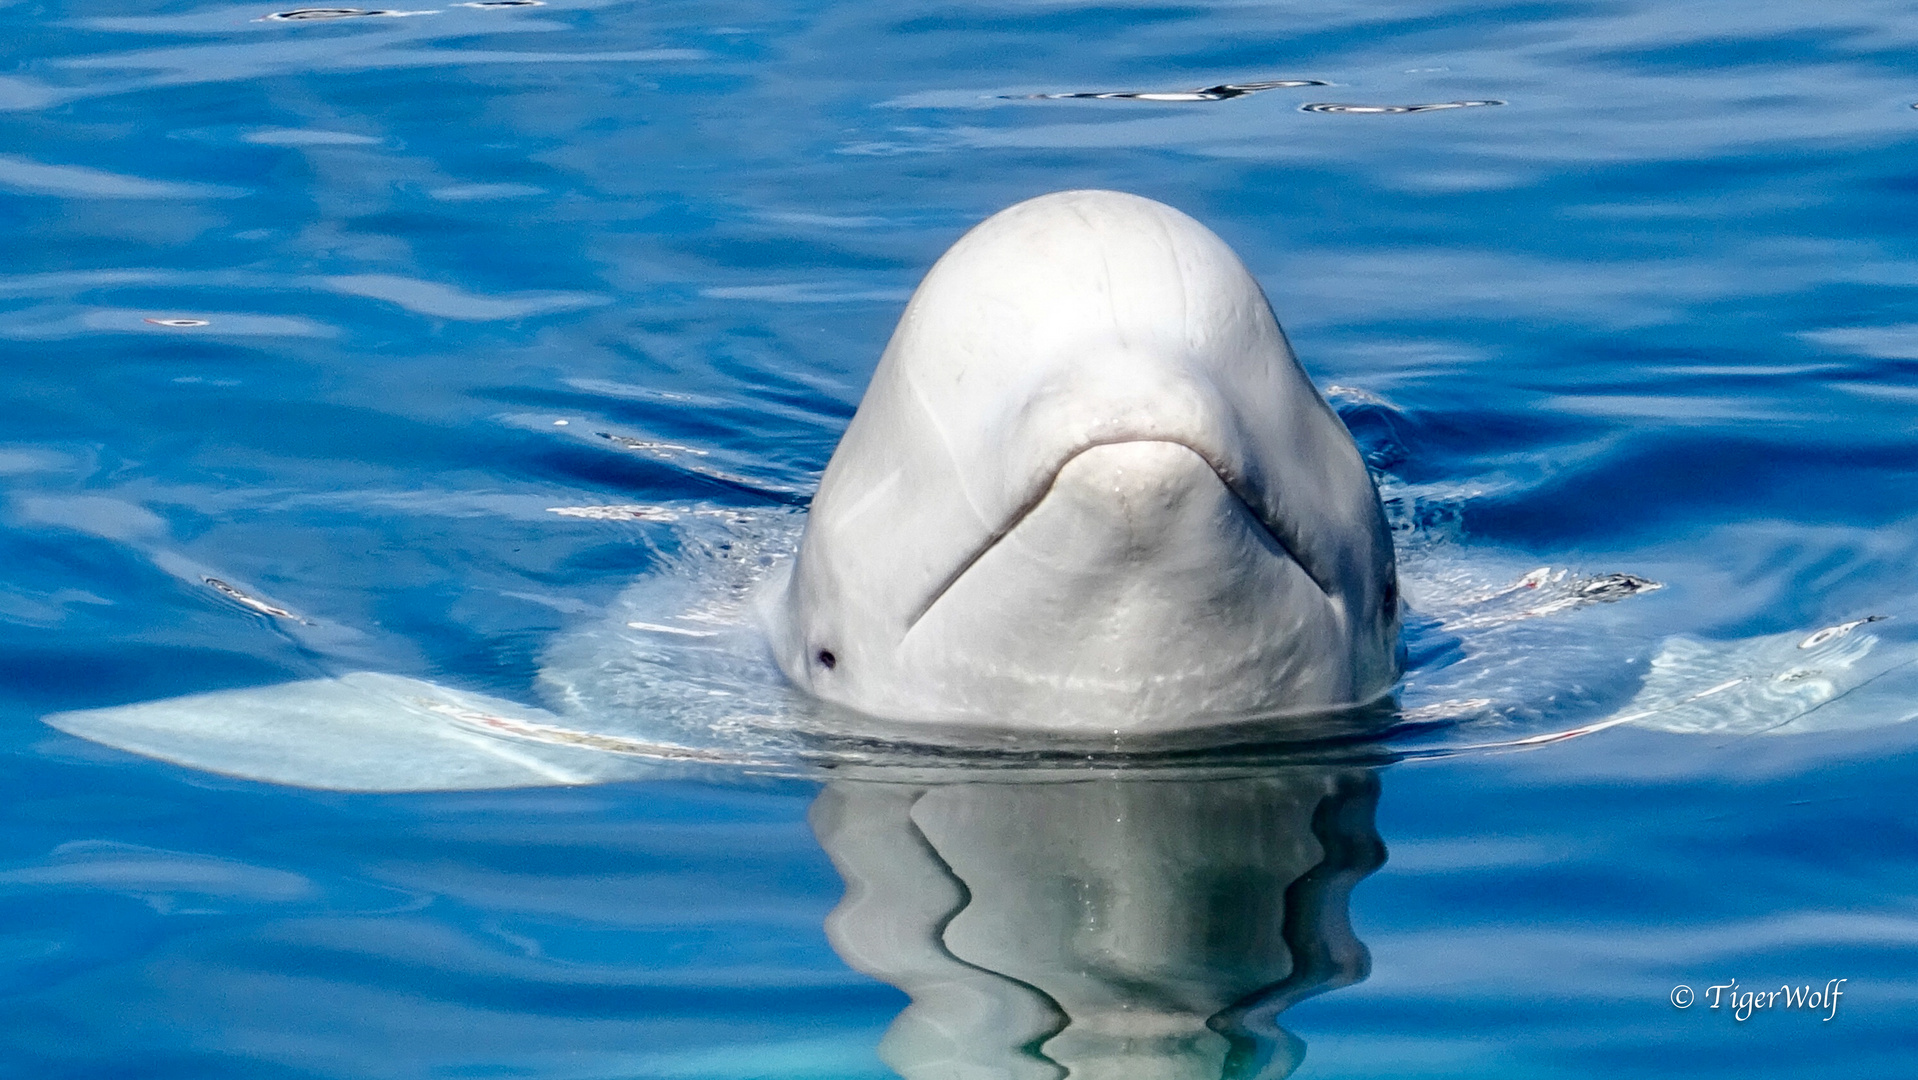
(1090, 509)
(1091, 490)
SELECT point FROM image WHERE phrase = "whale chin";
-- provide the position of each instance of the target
(1139, 593)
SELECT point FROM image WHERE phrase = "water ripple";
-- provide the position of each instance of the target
(1338, 107)
(318, 14)
(1221, 92)
(323, 14)
(447, 302)
(75, 181)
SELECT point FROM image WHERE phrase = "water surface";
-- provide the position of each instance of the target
(335, 311)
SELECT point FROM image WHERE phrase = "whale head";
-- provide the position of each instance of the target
(1090, 490)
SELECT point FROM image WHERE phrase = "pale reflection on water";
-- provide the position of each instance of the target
(1101, 927)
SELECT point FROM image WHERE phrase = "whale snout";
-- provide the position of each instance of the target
(1139, 587)
(1126, 493)
(1123, 496)
(1090, 489)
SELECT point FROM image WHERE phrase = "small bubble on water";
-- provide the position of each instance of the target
(178, 323)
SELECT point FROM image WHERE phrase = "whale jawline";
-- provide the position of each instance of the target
(1225, 475)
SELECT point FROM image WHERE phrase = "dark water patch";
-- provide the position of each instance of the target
(608, 562)
(1338, 107)
(244, 433)
(647, 477)
(1434, 30)
(714, 995)
(70, 677)
(1432, 444)
(493, 662)
(1385, 435)
(1678, 481)
(1063, 20)
(1428, 645)
(1221, 92)
(53, 935)
(74, 1059)
(725, 244)
(1805, 46)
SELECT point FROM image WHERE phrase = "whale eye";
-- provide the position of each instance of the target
(1389, 601)
(826, 659)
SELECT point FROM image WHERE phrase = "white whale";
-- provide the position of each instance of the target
(1090, 489)
(1089, 492)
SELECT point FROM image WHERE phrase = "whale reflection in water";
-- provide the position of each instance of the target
(1102, 927)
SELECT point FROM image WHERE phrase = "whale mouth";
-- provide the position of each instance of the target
(1227, 476)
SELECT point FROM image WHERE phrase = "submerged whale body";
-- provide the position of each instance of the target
(1091, 490)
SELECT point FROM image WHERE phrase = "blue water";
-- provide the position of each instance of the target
(1650, 313)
